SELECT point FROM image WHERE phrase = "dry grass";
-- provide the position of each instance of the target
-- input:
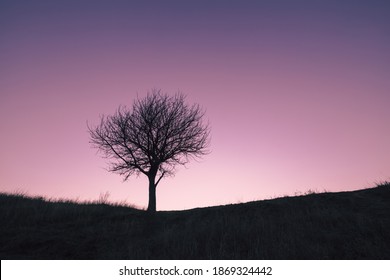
(345, 225)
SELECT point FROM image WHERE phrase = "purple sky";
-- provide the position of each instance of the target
(297, 94)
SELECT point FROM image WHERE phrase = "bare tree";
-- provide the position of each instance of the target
(159, 132)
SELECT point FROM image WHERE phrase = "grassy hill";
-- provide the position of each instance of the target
(344, 225)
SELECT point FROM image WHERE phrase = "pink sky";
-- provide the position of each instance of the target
(297, 94)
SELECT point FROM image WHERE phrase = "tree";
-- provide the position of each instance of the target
(158, 133)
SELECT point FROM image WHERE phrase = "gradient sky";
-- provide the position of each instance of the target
(297, 94)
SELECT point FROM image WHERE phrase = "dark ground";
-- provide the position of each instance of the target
(345, 225)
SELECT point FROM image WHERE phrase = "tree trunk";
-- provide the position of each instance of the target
(152, 194)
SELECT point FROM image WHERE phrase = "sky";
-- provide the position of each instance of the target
(296, 93)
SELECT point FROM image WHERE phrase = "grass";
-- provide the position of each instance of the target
(344, 225)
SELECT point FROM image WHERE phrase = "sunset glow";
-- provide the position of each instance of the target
(297, 94)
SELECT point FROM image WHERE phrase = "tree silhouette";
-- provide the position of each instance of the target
(159, 132)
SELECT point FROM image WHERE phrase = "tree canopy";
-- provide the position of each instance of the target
(159, 132)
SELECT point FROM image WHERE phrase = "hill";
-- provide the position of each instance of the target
(344, 225)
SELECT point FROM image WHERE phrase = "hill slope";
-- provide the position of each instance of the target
(345, 225)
